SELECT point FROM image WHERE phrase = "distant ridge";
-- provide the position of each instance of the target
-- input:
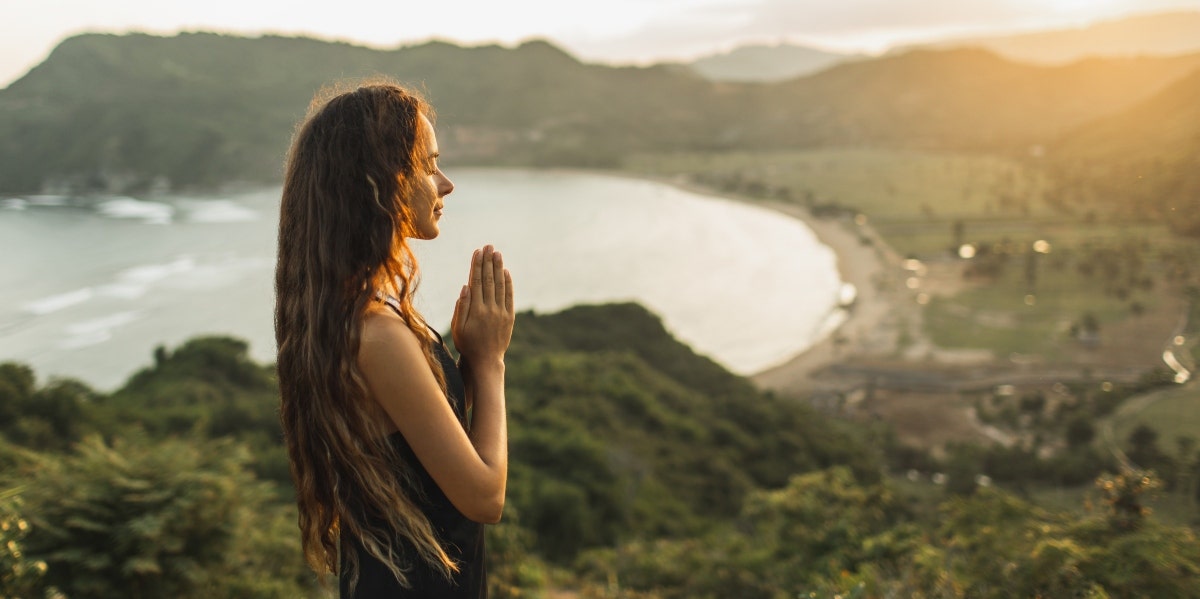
(1162, 34)
(767, 63)
(195, 111)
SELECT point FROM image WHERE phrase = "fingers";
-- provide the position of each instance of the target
(489, 274)
(476, 278)
(508, 291)
(498, 276)
(490, 282)
(461, 306)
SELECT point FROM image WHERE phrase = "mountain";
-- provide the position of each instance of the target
(1162, 34)
(952, 99)
(1143, 161)
(198, 110)
(767, 63)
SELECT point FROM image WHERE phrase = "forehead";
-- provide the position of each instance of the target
(430, 134)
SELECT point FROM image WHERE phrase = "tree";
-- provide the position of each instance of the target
(1143, 447)
(52, 417)
(1121, 496)
(1080, 432)
(146, 519)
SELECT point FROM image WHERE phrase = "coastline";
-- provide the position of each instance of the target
(864, 260)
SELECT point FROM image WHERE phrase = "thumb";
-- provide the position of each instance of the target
(461, 307)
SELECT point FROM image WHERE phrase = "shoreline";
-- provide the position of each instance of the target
(863, 260)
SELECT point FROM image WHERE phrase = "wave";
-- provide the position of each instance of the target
(155, 213)
(96, 330)
(133, 283)
(218, 211)
(57, 302)
(225, 271)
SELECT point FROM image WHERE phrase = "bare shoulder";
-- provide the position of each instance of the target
(384, 339)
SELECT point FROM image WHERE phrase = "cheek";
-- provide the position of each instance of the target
(428, 191)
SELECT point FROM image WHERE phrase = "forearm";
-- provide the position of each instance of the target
(489, 422)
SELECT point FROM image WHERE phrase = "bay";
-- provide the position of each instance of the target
(88, 290)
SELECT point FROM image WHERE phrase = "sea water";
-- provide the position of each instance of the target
(89, 287)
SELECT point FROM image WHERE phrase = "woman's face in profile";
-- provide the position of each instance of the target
(426, 205)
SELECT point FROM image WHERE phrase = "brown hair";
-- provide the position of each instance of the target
(342, 227)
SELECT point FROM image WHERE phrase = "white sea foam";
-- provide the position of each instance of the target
(150, 273)
(155, 213)
(96, 330)
(218, 211)
(223, 272)
(133, 283)
(54, 303)
(13, 203)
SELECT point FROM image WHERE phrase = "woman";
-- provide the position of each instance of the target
(393, 481)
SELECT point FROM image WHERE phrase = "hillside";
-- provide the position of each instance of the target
(961, 99)
(198, 110)
(1144, 160)
(616, 429)
(622, 470)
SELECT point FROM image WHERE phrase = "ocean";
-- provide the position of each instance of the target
(89, 288)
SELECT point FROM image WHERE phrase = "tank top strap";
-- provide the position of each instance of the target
(394, 304)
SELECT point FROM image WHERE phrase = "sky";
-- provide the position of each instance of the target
(611, 31)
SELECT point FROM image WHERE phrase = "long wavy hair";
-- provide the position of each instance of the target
(343, 222)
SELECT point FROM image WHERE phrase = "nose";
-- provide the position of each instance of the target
(444, 185)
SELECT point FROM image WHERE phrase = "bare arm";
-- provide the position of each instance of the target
(471, 469)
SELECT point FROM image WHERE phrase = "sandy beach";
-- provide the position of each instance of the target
(882, 308)
(871, 325)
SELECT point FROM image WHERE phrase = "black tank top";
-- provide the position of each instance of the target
(461, 538)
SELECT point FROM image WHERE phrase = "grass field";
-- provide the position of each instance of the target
(1008, 315)
(1174, 414)
(886, 184)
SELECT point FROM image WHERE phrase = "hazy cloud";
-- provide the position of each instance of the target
(855, 24)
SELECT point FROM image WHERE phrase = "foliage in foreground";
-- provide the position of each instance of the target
(639, 469)
(825, 535)
(171, 518)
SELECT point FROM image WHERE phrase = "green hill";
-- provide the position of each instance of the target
(199, 110)
(613, 420)
(633, 461)
(616, 429)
